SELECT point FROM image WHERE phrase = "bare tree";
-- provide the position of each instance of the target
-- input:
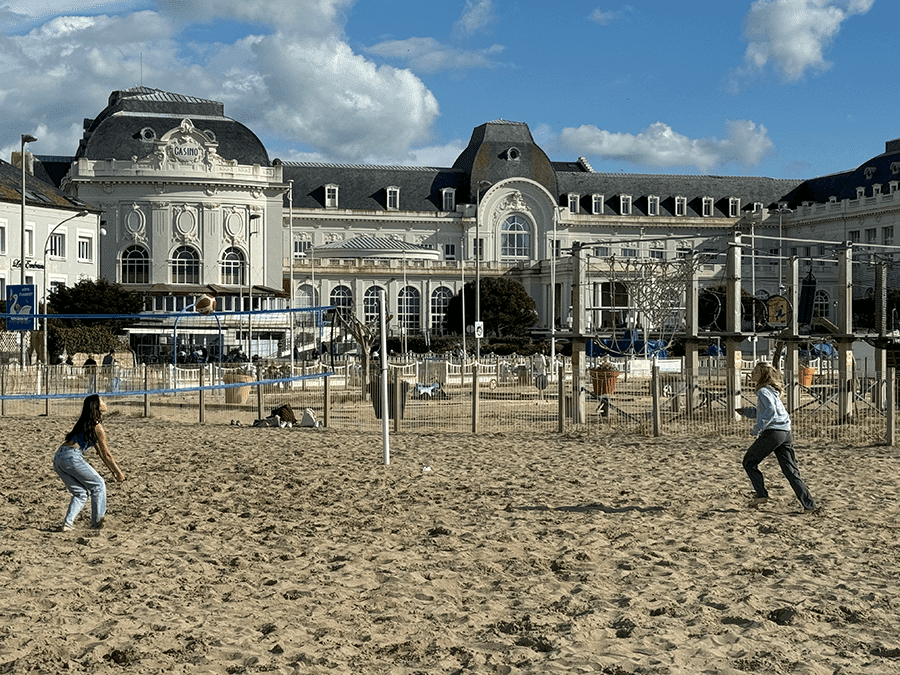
(366, 336)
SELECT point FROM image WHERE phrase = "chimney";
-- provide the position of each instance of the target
(16, 161)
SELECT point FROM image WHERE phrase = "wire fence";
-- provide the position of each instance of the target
(497, 395)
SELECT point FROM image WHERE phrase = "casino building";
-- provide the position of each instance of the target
(191, 202)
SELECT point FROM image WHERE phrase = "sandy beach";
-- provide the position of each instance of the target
(265, 550)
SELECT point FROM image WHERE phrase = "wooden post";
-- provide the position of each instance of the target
(202, 394)
(259, 393)
(654, 393)
(396, 400)
(46, 389)
(475, 407)
(792, 358)
(561, 398)
(891, 396)
(579, 316)
(146, 391)
(3, 373)
(327, 403)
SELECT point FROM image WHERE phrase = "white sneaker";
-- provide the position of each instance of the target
(66, 528)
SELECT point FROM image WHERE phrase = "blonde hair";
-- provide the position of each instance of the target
(768, 376)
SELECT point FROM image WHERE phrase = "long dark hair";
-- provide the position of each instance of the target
(87, 423)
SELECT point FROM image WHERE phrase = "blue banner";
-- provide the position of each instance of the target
(20, 307)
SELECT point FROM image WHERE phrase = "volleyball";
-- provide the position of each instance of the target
(205, 304)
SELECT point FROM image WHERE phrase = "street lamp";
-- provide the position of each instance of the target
(553, 294)
(781, 211)
(478, 264)
(80, 214)
(291, 261)
(26, 138)
(250, 233)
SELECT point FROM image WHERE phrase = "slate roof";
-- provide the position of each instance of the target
(37, 192)
(115, 132)
(364, 188)
(366, 242)
(881, 169)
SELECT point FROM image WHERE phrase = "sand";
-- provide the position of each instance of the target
(242, 550)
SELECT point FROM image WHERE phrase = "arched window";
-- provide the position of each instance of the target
(370, 303)
(822, 305)
(185, 266)
(233, 267)
(409, 308)
(305, 296)
(514, 239)
(342, 299)
(135, 265)
(439, 299)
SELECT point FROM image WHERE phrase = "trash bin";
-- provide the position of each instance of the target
(237, 394)
(375, 391)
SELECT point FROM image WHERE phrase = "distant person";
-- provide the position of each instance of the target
(81, 479)
(773, 434)
(109, 359)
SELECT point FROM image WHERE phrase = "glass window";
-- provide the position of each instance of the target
(680, 206)
(370, 304)
(514, 239)
(439, 300)
(597, 204)
(56, 246)
(573, 203)
(393, 198)
(409, 308)
(449, 195)
(707, 206)
(3, 237)
(652, 206)
(135, 265)
(85, 247)
(301, 246)
(734, 207)
(625, 205)
(29, 242)
(342, 299)
(854, 235)
(331, 196)
(449, 251)
(233, 267)
(185, 266)
(887, 235)
(822, 305)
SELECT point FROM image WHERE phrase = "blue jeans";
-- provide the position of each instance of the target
(782, 444)
(82, 480)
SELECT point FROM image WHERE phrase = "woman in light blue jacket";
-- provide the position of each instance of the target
(773, 434)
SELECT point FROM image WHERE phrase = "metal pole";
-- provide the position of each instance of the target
(477, 268)
(385, 424)
(291, 262)
(553, 296)
(46, 250)
(462, 293)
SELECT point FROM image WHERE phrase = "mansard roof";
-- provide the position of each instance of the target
(364, 187)
(879, 170)
(667, 187)
(135, 117)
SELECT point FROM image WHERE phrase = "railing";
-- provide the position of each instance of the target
(512, 393)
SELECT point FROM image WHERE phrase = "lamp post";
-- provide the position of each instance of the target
(26, 138)
(80, 214)
(553, 295)
(250, 233)
(478, 264)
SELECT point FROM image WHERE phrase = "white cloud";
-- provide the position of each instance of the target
(659, 145)
(606, 17)
(477, 15)
(297, 80)
(342, 104)
(427, 55)
(793, 35)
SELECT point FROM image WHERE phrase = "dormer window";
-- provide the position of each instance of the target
(393, 198)
(331, 196)
(448, 196)
(680, 206)
(893, 186)
(757, 207)
(652, 206)
(573, 203)
(513, 154)
(625, 205)
(734, 207)
(707, 207)
(597, 205)
(876, 189)
(860, 192)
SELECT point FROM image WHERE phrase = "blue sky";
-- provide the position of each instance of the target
(780, 88)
